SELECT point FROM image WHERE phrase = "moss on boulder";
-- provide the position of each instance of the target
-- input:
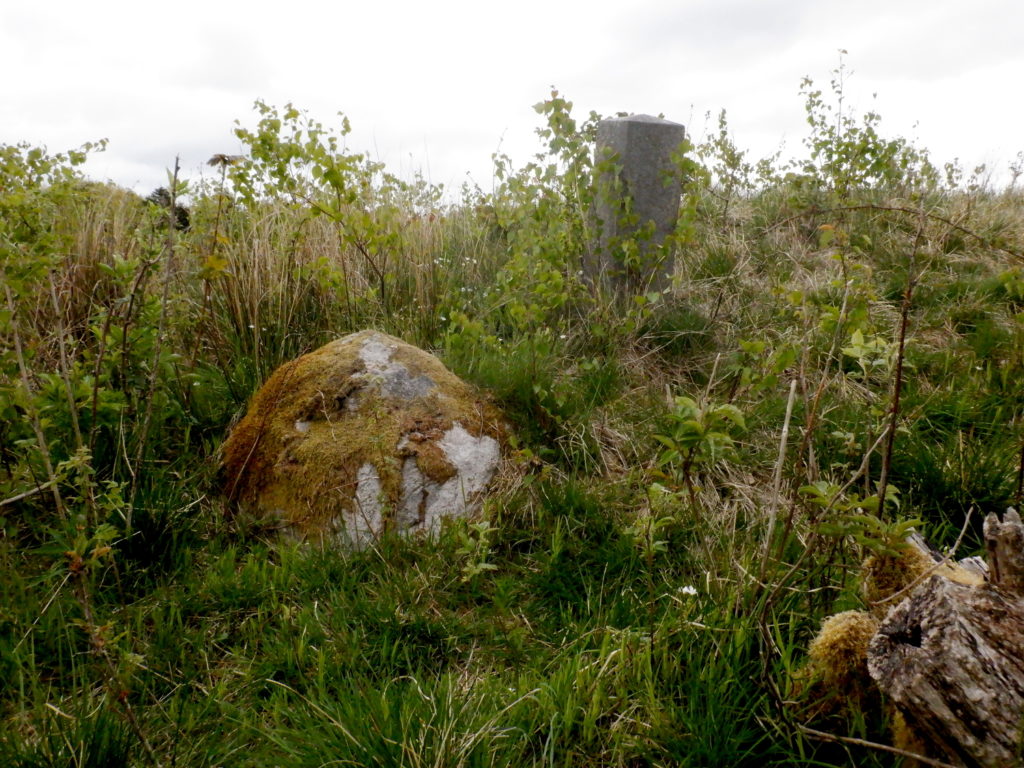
(363, 435)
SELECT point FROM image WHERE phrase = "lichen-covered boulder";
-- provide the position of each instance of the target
(364, 435)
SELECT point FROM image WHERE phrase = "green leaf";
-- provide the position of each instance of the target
(731, 413)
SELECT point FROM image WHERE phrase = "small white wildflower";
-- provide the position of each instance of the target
(687, 590)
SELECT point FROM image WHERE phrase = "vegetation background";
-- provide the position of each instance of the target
(695, 476)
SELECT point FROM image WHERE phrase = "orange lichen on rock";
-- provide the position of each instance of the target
(363, 434)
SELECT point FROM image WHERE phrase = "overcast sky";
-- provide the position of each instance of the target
(439, 86)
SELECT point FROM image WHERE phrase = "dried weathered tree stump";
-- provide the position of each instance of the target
(951, 657)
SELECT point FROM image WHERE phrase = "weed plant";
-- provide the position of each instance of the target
(680, 505)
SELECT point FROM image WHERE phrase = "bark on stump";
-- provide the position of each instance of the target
(951, 657)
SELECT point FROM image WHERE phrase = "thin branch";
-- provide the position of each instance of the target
(897, 388)
(873, 745)
(26, 495)
(907, 589)
(777, 479)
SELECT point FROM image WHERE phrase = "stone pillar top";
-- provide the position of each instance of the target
(640, 119)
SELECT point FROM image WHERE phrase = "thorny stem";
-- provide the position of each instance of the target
(807, 548)
(44, 450)
(169, 245)
(65, 375)
(686, 469)
(101, 352)
(1020, 477)
(78, 568)
(65, 366)
(908, 294)
(214, 244)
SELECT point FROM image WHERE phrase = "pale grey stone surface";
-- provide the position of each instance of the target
(393, 378)
(425, 503)
(642, 148)
(367, 518)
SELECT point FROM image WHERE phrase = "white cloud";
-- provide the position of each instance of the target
(439, 87)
